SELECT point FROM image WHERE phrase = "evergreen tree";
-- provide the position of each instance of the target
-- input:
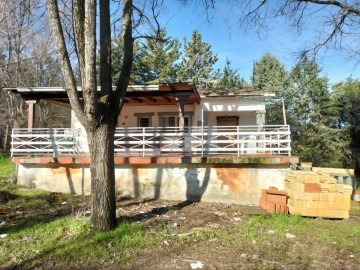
(229, 78)
(313, 120)
(117, 50)
(197, 61)
(153, 61)
(269, 74)
(346, 103)
(156, 61)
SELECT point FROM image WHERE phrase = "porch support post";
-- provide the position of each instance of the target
(186, 144)
(260, 121)
(181, 102)
(31, 113)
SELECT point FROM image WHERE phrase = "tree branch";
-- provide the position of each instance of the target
(348, 8)
(89, 87)
(63, 56)
(78, 15)
(105, 49)
(124, 77)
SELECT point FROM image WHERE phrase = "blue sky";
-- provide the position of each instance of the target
(243, 48)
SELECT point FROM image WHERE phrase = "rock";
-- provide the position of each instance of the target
(3, 235)
(290, 235)
(196, 265)
(174, 225)
(219, 214)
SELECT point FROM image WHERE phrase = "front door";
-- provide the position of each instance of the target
(231, 122)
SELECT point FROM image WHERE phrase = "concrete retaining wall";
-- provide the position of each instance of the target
(226, 183)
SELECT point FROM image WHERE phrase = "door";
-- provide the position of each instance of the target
(231, 122)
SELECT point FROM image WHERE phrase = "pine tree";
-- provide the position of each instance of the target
(229, 78)
(270, 75)
(346, 102)
(197, 61)
(313, 120)
(156, 62)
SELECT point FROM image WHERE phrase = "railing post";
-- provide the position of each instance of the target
(237, 138)
(12, 143)
(143, 141)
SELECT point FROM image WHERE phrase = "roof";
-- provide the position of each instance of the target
(155, 94)
(136, 94)
(245, 92)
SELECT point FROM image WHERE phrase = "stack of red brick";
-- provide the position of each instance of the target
(273, 200)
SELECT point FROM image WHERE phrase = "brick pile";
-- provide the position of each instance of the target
(273, 200)
(317, 195)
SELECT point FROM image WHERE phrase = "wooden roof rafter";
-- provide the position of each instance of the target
(144, 94)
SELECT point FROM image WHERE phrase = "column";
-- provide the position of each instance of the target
(186, 145)
(31, 114)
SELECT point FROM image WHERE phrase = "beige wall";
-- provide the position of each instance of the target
(209, 109)
(205, 182)
(128, 117)
(247, 110)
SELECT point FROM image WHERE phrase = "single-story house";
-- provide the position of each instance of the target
(172, 141)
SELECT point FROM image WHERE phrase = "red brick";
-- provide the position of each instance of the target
(276, 198)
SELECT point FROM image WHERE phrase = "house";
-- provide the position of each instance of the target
(172, 141)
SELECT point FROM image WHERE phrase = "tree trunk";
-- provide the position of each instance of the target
(101, 145)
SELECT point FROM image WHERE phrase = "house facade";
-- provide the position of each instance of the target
(172, 141)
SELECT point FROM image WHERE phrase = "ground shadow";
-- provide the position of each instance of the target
(154, 212)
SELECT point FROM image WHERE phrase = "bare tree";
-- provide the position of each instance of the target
(338, 22)
(26, 58)
(98, 110)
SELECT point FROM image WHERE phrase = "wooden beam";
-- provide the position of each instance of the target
(60, 103)
(151, 99)
(136, 99)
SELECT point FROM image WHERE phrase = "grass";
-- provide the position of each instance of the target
(70, 242)
(67, 241)
(5, 166)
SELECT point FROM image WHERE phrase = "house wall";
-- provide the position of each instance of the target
(209, 108)
(250, 112)
(128, 116)
(226, 183)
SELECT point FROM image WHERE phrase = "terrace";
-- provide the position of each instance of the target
(163, 141)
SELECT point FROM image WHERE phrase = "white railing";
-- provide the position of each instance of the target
(133, 141)
(45, 142)
(204, 141)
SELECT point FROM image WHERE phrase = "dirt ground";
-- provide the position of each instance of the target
(182, 218)
(185, 216)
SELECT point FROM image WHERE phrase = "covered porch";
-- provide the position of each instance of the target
(171, 142)
(162, 120)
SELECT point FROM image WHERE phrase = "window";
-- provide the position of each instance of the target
(172, 121)
(144, 121)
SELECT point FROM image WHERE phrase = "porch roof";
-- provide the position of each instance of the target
(136, 95)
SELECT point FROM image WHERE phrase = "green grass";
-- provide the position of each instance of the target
(5, 167)
(69, 242)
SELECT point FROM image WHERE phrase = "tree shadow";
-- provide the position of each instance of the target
(154, 212)
(195, 190)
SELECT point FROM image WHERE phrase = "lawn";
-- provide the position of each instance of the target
(44, 232)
